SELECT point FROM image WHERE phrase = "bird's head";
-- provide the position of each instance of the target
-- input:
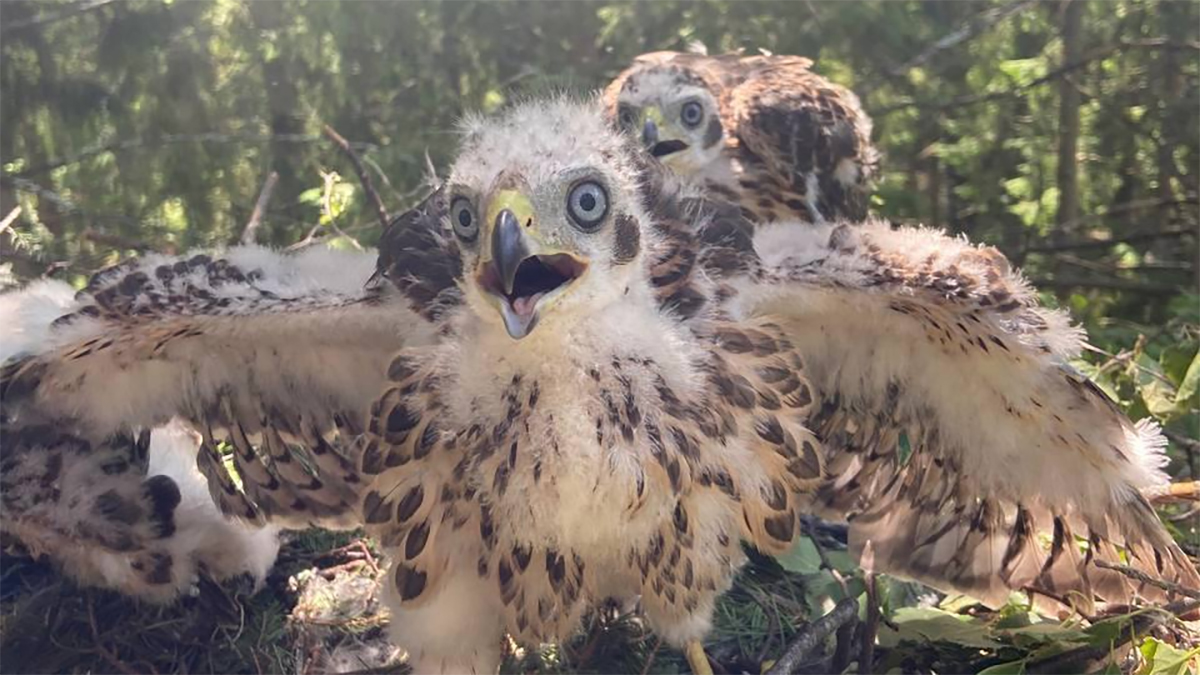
(674, 113)
(543, 200)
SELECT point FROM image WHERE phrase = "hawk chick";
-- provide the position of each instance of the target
(762, 131)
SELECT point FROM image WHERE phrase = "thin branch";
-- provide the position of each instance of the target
(174, 139)
(870, 627)
(1082, 659)
(1138, 575)
(1190, 446)
(100, 648)
(327, 209)
(51, 17)
(1187, 491)
(813, 635)
(811, 530)
(653, 653)
(114, 241)
(972, 27)
(249, 234)
(1107, 284)
(9, 219)
(1095, 55)
(1165, 233)
(363, 176)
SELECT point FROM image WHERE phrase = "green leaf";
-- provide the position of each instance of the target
(1163, 659)
(934, 625)
(803, 557)
(1156, 392)
(1186, 395)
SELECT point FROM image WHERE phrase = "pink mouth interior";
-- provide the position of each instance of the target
(536, 276)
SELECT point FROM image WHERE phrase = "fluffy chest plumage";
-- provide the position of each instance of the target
(568, 456)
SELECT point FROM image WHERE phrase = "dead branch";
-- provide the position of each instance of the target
(1087, 59)
(9, 219)
(249, 234)
(1064, 282)
(653, 653)
(171, 139)
(1165, 233)
(114, 241)
(811, 531)
(1188, 491)
(52, 17)
(813, 635)
(1137, 575)
(104, 652)
(870, 627)
(1084, 659)
(363, 176)
(969, 29)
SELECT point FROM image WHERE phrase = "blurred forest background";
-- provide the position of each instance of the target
(1066, 133)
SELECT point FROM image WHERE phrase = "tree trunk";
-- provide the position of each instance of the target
(1068, 125)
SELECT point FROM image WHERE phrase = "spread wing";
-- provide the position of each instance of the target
(278, 356)
(809, 135)
(962, 449)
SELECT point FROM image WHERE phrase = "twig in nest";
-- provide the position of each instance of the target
(1084, 659)
(327, 208)
(1165, 585)
(870, 628)
(9, 219)
(653, 653)
(100, 648)
(1181, 491)
(363, 176)
(813, 635)
(249, 234)
(811, 531)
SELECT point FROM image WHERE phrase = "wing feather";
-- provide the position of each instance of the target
(954, 429)
(279, 355)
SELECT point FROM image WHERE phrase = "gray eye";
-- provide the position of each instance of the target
(692, 114)
(462, 218)
(587, 205)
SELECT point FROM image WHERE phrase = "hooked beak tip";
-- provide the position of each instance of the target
(649, 133)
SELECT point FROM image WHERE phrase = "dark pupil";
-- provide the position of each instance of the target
(691, 113)
(588, 201)
(464, 218)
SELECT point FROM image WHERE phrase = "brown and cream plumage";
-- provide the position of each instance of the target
(765, 132)
(586, 380)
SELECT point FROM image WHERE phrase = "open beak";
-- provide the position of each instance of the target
(656, 132)
(521, 275)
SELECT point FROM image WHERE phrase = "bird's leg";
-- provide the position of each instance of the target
(697, 659)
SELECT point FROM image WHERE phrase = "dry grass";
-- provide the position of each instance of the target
(318, 613)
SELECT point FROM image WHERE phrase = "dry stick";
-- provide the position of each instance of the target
(974, 26)
(1138, 575)
(100, 648)
(1190, 446)
(653, 653)
(327, 209)
(363, 176)
(249, 234)
(51, 17)
(870, 629)
(811, 531)
(1079, 660)
(1188, 491)
(814, 634)
(9, 219)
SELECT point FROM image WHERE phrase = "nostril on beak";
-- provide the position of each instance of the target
(649, 133)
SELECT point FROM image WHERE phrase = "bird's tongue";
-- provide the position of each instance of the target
(523, 305)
